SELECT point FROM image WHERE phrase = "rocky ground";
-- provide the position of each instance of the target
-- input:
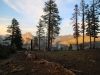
(53, 63)
(17, 65)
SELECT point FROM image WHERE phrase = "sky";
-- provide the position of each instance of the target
(28, 13)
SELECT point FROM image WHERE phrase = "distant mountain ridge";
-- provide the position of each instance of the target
(64, 36)
(26, 37)
(69, 39)
(64, 39)
(2, 37)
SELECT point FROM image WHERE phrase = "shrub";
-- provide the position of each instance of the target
(4, 51)
(12, 50)
(70, 47)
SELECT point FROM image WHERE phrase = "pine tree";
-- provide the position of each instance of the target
(52, 20)
(40, 32)
(18, 39)
(95, 21)
(83, 15)
(75, 25)
(97, 4)
(15, 34)
(70, 47)
(35, 41)
(88, 20)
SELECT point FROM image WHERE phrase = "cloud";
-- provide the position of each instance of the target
(71, 1)
(3, 30)
(10, 4)
(33, 9)
(32, 30)
(66, 23)
(66, 28)
(29, 8)
(4, 19)
(24, 26)
(4, 22)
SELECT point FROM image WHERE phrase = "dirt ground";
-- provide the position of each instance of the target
(53, 63)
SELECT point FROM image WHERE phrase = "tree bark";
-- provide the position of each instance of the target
(31, 45)
(94, 25)
(76, 30)
(83, 26)
(49, 49)
(39, 40)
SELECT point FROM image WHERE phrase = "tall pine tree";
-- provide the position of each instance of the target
(15, 34)
(95, 21)
(18, 39)
(35, 42)
(52, 20)
(88, 20)
(76, 24)
(40, 32)
(83, 15)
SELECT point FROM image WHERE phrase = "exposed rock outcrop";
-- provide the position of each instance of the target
(27, 38)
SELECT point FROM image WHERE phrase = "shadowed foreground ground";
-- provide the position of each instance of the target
(80, 62)
(53, 63)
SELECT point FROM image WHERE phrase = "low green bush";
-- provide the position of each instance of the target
(5, 51)
(3, 54)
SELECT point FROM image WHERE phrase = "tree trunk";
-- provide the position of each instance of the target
(12, 38)
(31, 44)
(49, 29)
(77, 43)
(90, 41)
(39, 42)
(94, 25)
(51, 43)
(83, 27)
(76, 30)
(49, 34)
(89, 28)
